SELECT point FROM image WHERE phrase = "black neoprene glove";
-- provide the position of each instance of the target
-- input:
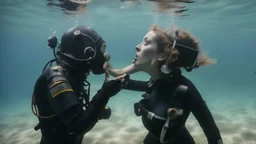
(111, 88)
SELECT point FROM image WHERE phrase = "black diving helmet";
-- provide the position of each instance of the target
(80, 49)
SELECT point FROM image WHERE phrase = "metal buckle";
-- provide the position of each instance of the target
(150, 83)
(150, 115)
(145, 96)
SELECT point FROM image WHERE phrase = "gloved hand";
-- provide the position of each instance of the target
(112, 86)
(106, 113)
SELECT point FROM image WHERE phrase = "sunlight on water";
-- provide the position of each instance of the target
(225, 30)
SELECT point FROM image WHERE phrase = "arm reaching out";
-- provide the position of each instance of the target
(130, 69)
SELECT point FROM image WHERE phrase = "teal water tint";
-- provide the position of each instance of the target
(225, 29)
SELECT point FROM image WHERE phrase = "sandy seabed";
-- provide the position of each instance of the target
(236, 121)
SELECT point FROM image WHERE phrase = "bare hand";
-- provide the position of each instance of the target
(123, 78)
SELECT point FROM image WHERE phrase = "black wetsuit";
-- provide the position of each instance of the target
(56, 93)
(160, 94)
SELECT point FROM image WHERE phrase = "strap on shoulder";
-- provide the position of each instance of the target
(54, 71)
(180, 90)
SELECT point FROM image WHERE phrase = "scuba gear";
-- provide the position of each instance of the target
(112, 87)
(106, 113)
(78, 45)
(60, 98)
(172, 113)
(59, 83)
(60, 102)
(165, 69)
(79, 50)
(52, 42)
(159, 101)
(139, 109)
(87, 52)
(187, 54)
(187, 58)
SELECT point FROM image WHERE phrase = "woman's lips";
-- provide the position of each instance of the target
(136, 57)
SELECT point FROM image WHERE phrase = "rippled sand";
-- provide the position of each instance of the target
(236, 123)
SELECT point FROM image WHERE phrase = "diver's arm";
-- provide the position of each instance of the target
(66, 105)
(78, 120)
(133, 85)
(114, 72)
(203, 115)
(130, 69)
(64, 101)
(136, 85)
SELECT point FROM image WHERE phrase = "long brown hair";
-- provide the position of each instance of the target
(165, 43)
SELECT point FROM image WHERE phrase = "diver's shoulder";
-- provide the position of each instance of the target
(53, 71)
(187, 82)
(192, 89)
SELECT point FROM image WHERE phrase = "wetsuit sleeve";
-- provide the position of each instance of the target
(203, 115)
(136, 85)
(61, 95)
(65, 103)
(78, 120)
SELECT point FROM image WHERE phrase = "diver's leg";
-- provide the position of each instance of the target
(80, 139)
(43, 140)
(185, 138)
(77, 139)
(150, 139)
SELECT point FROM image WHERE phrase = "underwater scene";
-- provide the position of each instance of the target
(224, 105)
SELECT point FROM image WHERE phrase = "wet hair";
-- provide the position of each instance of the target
(165, 42)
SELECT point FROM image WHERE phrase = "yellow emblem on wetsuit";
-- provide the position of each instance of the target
(59, 83)
(59, 87)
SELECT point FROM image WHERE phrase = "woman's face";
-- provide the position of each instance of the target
(147, 51)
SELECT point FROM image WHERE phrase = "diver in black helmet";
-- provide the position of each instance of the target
(61, 97)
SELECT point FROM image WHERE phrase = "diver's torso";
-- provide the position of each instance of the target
(52, 129)
(160, 99)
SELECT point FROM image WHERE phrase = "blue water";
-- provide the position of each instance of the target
(226, 30)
